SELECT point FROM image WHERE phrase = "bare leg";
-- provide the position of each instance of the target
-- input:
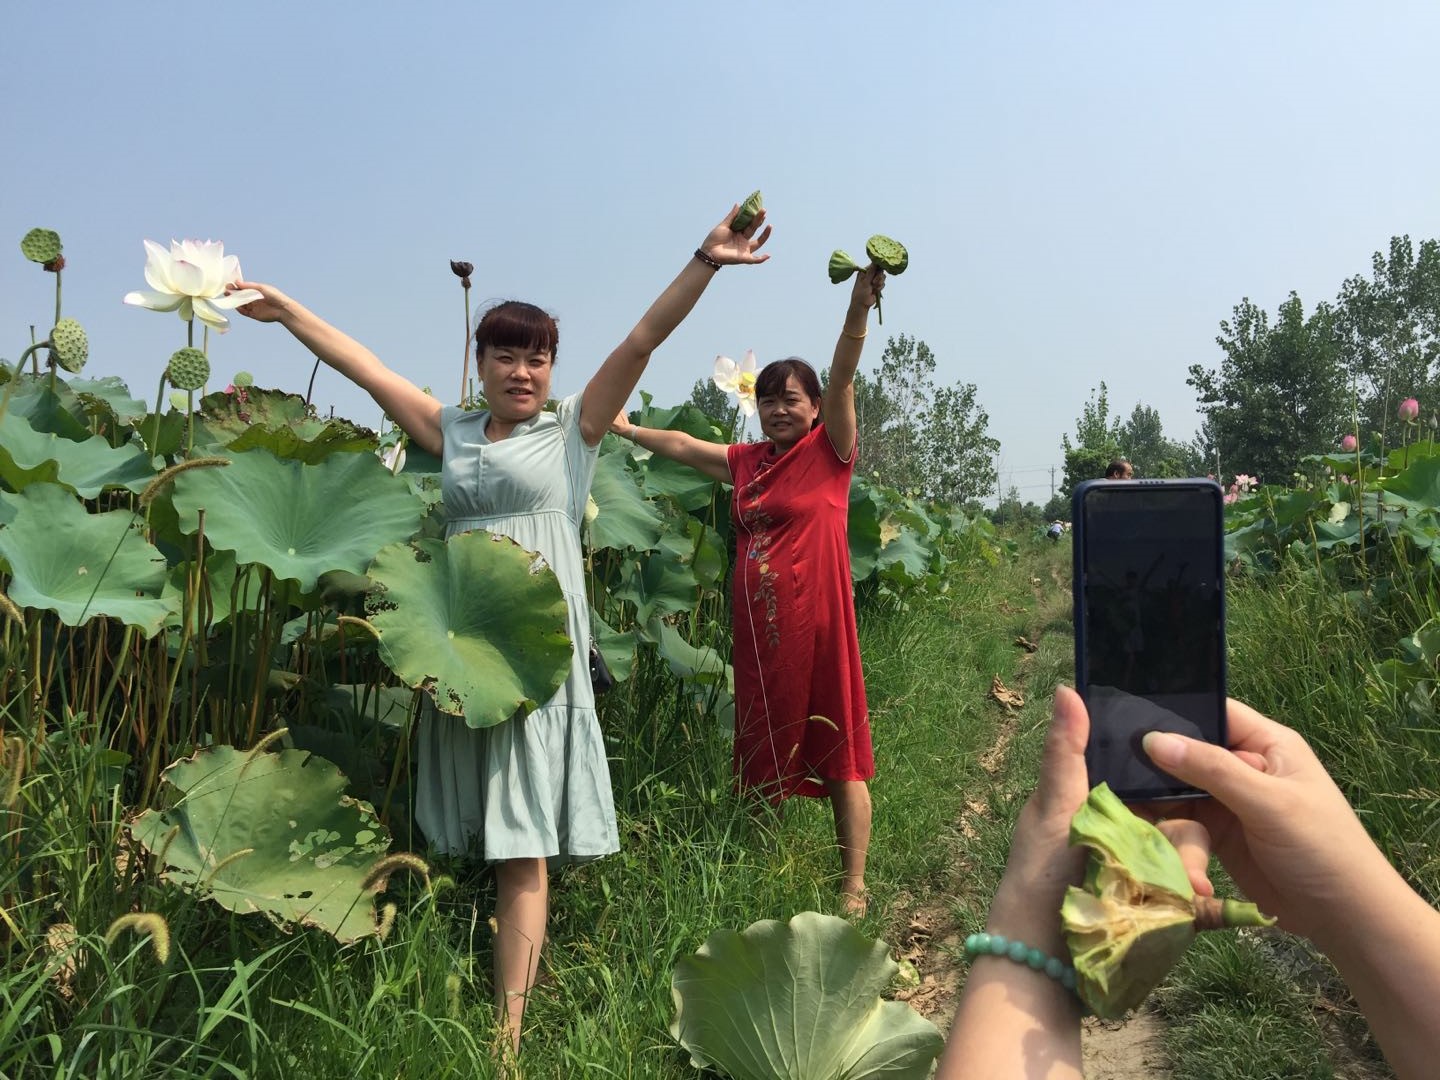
(522, 906)
(850, 802)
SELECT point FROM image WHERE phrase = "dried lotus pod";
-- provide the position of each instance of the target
(188, 370)
(40, 245)
(889, 255)
(841, 266)
(69, 346)
(1137, 913)
(746, 214)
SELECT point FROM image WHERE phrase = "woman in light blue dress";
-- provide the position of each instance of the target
(536, 788)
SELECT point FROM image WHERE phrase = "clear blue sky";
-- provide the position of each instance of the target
(1086, 189)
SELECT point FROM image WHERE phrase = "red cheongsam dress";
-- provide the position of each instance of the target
(800, 715)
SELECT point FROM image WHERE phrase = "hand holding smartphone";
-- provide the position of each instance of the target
(1149, 623)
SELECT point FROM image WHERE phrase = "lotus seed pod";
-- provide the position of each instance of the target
(889, 255)
(748, 209)
(188, 370)
(40, 245)
(1137, 912)
(841, 267)
(69, 346)
(243, 378)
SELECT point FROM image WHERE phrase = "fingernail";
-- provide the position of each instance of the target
(1163, 747)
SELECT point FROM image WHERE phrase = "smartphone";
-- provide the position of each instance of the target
(1149, 623)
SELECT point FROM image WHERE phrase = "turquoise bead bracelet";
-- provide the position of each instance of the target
(1018, 951)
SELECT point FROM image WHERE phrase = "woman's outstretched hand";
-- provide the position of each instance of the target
(730, 248)
(621, 424)
(272, 306)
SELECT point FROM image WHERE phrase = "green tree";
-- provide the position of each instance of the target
(711, 400)
(1144, 445)
(1389, 330)
(1097, 442)
(1279, 393)
(917, 436)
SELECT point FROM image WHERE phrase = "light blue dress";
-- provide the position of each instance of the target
(538, 786)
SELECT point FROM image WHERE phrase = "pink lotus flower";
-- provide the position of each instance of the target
(1244, 484)
(1230, 497)
(1409, 410)
(1348, 444)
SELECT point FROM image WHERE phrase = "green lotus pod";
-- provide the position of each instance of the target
(841, 266)
(189, 369)
(40, 245)
(69, 345)
(1137, 912)
(746, 214)
(243, 378)
(889, 255)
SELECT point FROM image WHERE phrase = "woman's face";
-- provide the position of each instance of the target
(515, 381)
(786, 417)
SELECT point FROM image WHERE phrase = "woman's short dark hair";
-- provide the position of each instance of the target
(514, 324)
(774, 375)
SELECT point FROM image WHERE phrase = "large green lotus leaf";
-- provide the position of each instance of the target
(663, 477)
(81, 565)
(110, 395)
(616, 646)
(310, 846)
(333, 437)
(657, 584)
(299, 520)
(476, 621)
(866, 514)
(57, 410)
(625, 519)
(28, 456)
(702, 665)
(1418, 487)
(798, 1001)
(226, 417)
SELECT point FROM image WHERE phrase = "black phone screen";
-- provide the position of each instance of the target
(1150, 624)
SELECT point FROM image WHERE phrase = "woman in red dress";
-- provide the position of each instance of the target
(801, 725)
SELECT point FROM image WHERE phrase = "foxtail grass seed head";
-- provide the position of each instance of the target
(165, 845)
(12, 761)
(167, 477)
(267, 742)
(143, 922)
(452, 994)
(387, 921)
(234, 856)
(1136, 913)
(7, 606)
(364, 624)
(379, 876)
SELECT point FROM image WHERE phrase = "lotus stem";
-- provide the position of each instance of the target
(465, 365)
(190, 419)
(57, 295)
(34, 363)
(164, 479)
(310, 390)
(159, 404)
(143, 922)
(379, 876)
(10, 611)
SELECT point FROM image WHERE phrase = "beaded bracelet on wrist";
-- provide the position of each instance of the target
(977, 945)
(706, 258)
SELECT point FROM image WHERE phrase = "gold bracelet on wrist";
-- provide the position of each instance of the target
(858, 337)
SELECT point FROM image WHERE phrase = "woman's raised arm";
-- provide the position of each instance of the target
(612, 385)
(838, 410)
(417, 413)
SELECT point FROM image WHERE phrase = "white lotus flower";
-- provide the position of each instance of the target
(191, 277)
(738, 379)
(393, 456)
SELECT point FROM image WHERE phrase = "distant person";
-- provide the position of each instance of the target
(1119, 469)
(1287, 837)
(535, 789)
(1056, 530)
(801, 722)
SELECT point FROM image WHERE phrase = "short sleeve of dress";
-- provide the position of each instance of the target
(580, 457)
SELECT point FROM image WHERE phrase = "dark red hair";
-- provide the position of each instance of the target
(514, 324)
(774, 375)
